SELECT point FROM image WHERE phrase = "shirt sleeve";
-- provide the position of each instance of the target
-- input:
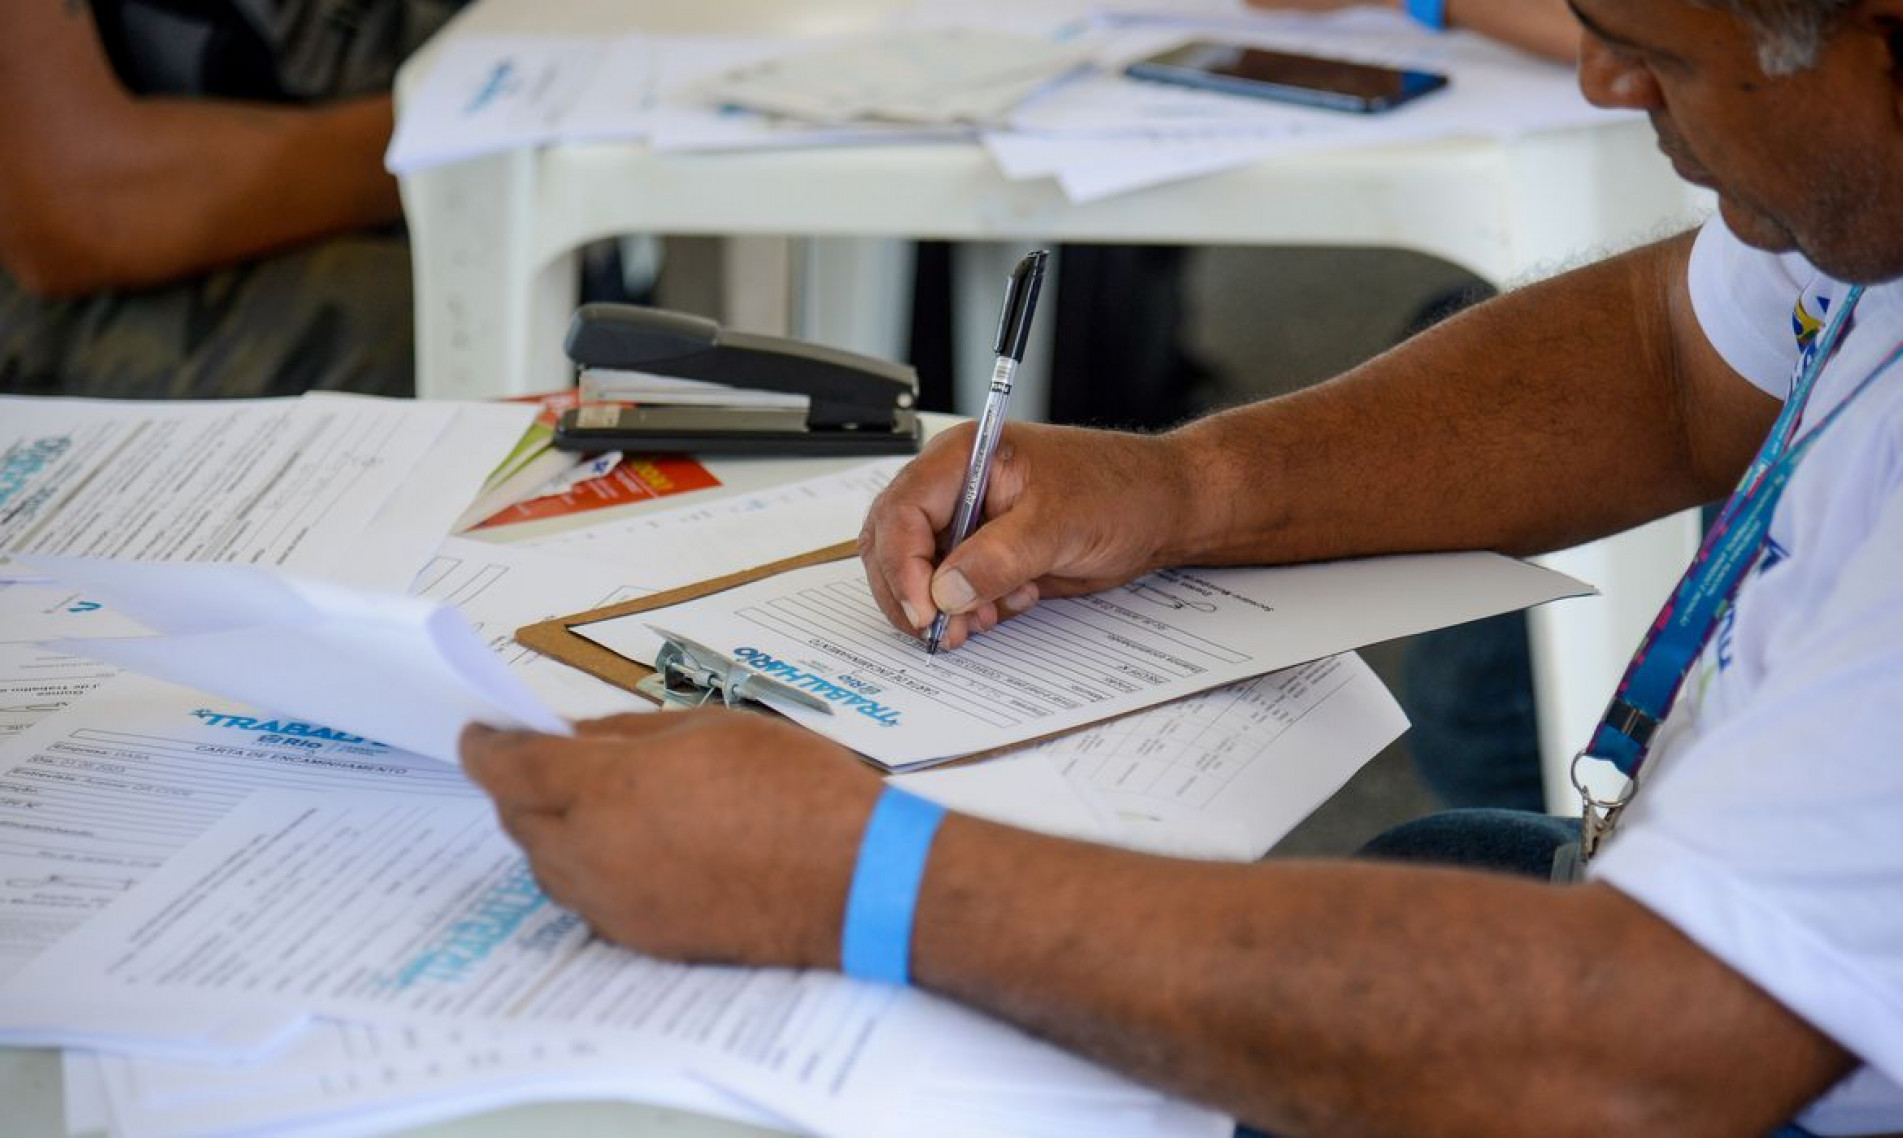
(1743, 298)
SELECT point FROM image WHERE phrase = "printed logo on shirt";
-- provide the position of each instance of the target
(1806, 327)
(1808, 318)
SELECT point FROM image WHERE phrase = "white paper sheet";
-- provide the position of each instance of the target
(348, 1079)
(284, 482)
(325, 485)
(39, 612)
(353, 1078)
(1222, 775)
(367, 907)
(401, 671)
(500, 588)
(1068, 663)
(35, 683)
(143, 767)
(1228, 773)
(938, 75)
(404, 534)
(671, 548)
(1017, 790)
(1101, 134)
(486, 94)
(94, 798)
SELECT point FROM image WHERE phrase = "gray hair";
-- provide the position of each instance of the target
(1789, 33)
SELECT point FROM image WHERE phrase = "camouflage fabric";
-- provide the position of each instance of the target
(334, 315)
(291, 51)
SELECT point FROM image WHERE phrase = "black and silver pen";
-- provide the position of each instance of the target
(1014, 331)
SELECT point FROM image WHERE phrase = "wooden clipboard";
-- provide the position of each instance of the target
(558, 639)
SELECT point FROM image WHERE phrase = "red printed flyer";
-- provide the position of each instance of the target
(636, 478)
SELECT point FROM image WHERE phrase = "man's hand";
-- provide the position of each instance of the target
(707, 835)
(1066, 512)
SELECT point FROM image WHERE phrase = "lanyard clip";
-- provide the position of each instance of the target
(1597, 816)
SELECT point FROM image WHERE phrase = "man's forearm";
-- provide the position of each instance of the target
(1361, 998)
(1546, 417)
(180, 187)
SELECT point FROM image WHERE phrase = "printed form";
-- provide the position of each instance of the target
(1068, 663)
(94, 799)
(375, 907)
(371, 1077)
(324, 485)
(1224, 774)
(285, 482)
(667, 549)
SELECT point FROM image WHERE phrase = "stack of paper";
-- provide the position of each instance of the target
(936, 76)
(316, 702)
(268, 901)
(1040, 82)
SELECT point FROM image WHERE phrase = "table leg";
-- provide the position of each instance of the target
(490, 311)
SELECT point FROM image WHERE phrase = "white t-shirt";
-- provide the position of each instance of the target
(1769, 828)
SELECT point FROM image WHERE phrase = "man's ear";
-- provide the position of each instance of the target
(1884, 18)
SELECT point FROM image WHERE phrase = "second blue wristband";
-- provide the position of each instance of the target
(876, 943)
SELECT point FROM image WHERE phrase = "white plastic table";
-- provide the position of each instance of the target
(495, 243)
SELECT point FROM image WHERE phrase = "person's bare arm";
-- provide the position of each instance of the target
(1558, 413)
(102, 190)
(1310, 999)
(1545, 27)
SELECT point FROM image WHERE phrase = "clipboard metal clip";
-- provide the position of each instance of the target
(688, 674)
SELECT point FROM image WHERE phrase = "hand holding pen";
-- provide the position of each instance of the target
(1014, 332)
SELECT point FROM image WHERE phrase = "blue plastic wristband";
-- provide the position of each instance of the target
(1428, 13)
(877, 941)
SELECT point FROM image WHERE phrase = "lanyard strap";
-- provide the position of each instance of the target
(1664, 658)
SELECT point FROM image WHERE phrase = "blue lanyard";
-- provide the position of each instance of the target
(1664, 658)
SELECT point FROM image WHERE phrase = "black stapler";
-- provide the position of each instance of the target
(744, 394)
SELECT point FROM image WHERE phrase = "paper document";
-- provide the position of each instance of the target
(34, 683)
(345, 487)
(939, 75)
(1223, 775)
(95, 797)
(403, 534)
(350, 1078)
(399, 671)
(286, 482)
(489, 93)
(357, 1078)
(500, 588)
(144, 767)
(366, 908)
(671, 548)
(1069, 663)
